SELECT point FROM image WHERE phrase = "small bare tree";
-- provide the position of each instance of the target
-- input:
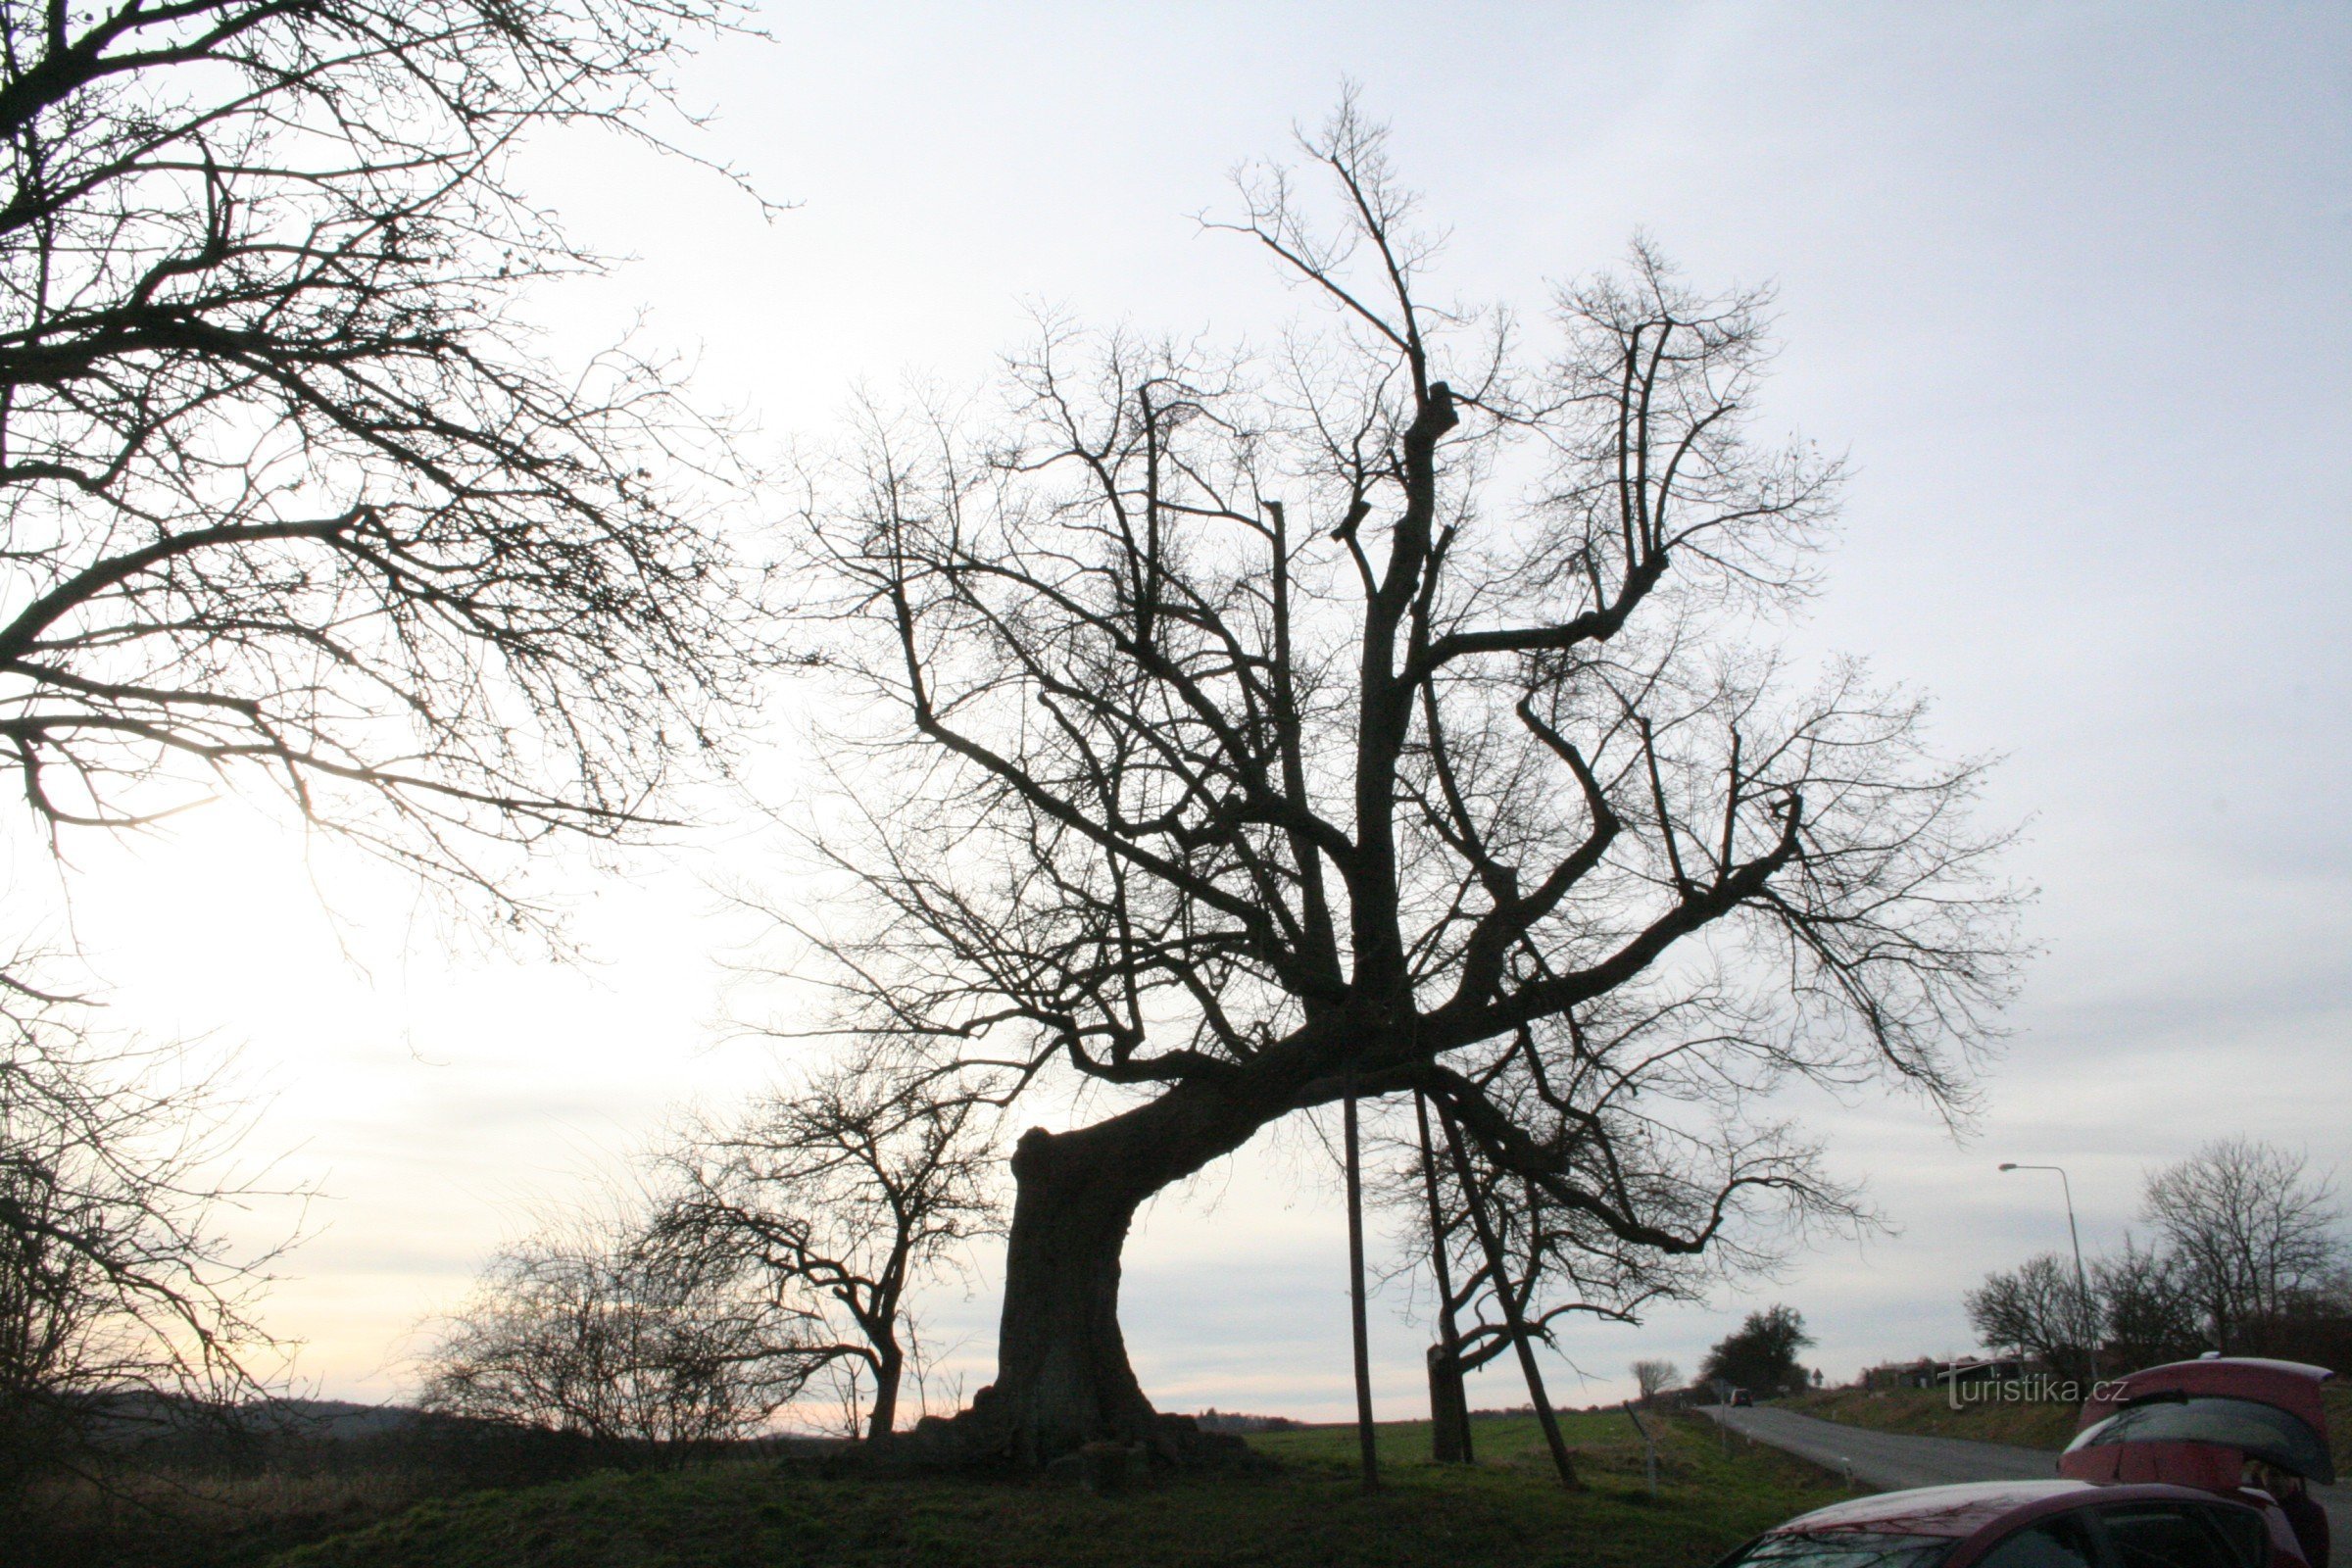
(2147, 1312)
(1654, 1375)
(2252, 1225)
(2036, 1310)
(121, 1301)
(588, 1328)
(843, 1198)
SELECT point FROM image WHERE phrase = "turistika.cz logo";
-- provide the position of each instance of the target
(2034, 1388)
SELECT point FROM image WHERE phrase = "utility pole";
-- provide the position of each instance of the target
(1365, 1438)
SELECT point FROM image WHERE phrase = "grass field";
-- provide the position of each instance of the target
(1507, 1510)
(2029, 1426)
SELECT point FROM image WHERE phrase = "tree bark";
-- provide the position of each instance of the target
(883, 1419)
(1062, 1373)
(1449, 1401)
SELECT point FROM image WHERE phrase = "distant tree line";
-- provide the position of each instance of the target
(2246, 1255)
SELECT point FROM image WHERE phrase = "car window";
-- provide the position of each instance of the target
(2258, 1431)
(2160, 1534)
(1844, 1549)
(2061, 1542)
(2246, 1532)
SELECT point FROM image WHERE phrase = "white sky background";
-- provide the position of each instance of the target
(2070, 282)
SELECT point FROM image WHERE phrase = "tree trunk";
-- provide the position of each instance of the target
(1448, 1408)
(1062, 1376)
(883, 1419)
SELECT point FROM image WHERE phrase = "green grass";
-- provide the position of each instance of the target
(1507, 1510)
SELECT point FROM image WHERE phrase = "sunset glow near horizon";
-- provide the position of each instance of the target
(2070, 285)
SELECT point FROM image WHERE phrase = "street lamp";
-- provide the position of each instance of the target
(2081, 1281)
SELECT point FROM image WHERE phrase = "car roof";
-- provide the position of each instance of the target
(1963, 1510)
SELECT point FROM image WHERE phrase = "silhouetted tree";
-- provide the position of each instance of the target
(2250, 1226)
(1563, 1262)
(588, 1328)
(290, 502)
(1761, 1354)
(2145, 1307)
(842, 1197)
(288, 497)
(1653, 1376)
(122, 1303)
(1373, 714)
(2036, 1310)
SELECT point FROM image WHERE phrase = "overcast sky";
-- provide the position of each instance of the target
(2070, 284)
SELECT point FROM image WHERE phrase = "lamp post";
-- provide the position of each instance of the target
(2081, 1279)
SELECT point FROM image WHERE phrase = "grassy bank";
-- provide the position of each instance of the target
(1507, 1510)
(1929, 1412)
(2028, 1425)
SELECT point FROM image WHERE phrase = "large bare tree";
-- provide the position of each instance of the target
(1391, 709)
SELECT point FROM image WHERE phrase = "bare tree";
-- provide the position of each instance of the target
(288, 499)
(121, 1303)
(1653, 1376)
(2038, 1310)
(290, 502)
(2251, 1225)
(843, 1198)
(1563, 1260)
(1378, 713)
(586, 1328)
(2146, 1311)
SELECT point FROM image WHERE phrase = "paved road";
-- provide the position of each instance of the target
(1894, 1459)
(1885, 1459)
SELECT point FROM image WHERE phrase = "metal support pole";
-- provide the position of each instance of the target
(1366, 1441)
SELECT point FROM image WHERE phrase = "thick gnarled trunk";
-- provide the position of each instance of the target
(1062, 1373)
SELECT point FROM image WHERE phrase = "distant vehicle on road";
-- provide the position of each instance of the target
(1743, 1397)
(2195, 1465)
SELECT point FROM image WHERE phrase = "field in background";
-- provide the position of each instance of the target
(1507, 1510)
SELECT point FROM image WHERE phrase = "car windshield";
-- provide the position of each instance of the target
(1845, 1549)
(2258, 1431)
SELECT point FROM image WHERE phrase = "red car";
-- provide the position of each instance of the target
(2157, 1477)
